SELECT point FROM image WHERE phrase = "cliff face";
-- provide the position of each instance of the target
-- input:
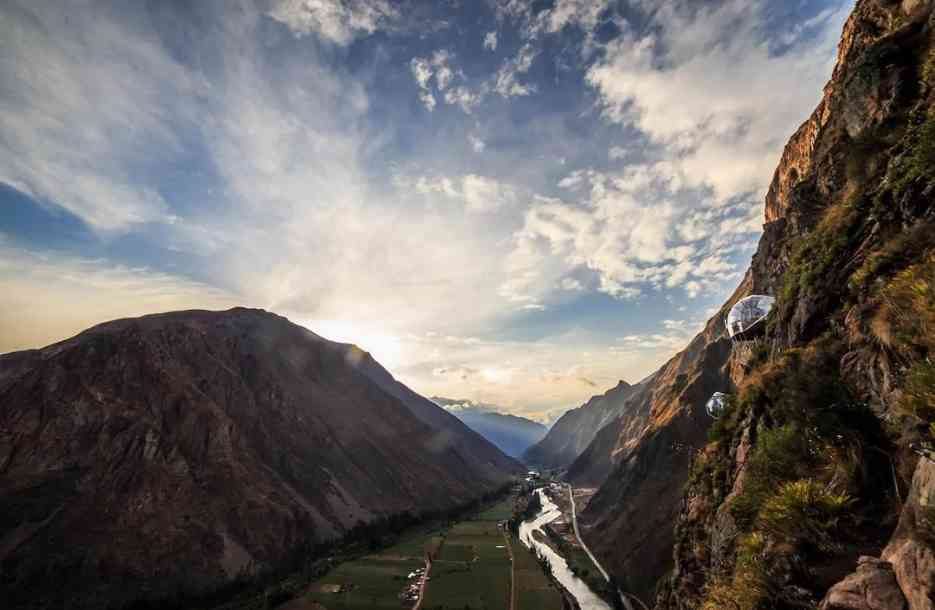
(166, 455)
(810, 469)
(575, 430)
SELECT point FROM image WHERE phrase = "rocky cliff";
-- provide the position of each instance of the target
(573, 432)
(816, 487)
(167, 455)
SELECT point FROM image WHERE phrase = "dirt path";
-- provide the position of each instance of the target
(509, 550)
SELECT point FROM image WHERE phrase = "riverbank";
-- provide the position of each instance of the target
(531, 532)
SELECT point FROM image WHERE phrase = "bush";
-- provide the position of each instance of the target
(803, 511)
(905, 319)
(781, 454)
(919, 392)
(818, 252)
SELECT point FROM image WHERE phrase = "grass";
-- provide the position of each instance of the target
(803, 510)
(371, 582)
(473, 566)
(534, 591)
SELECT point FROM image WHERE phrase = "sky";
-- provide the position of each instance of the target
(519, 203)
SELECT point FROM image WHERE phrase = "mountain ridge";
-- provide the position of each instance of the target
(513, 434)
(167, 455)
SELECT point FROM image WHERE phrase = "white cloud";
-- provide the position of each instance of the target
(477, 143)
(438, 68)
(421, 71)
(705, 86)
(338, 21)
(506, 81)
(636, 229)
(74, 136)
(478, 193)
(463, 97)
(490, 40)
(583, 13)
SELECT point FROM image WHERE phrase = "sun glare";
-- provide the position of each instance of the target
(385, 348)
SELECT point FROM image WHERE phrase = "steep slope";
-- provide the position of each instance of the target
(511, 434)
(481, 453)
(811, 466)
(168, 454)
(640, 460)
(575, 430)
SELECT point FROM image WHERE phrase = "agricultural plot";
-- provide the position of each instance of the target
(533, 589)
(473, 566)
(374, 581)
(471, 569)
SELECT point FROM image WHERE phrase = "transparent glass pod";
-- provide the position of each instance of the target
(747, 317)
(716, 404)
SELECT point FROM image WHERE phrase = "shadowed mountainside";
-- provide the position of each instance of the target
(166, 455)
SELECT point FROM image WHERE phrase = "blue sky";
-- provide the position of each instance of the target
(518, 203)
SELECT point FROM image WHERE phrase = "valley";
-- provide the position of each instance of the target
(475, 563)
(773, 449)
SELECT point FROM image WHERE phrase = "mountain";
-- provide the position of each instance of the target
(571, 434)
(166, 455)
(815, 487)
(510, 433)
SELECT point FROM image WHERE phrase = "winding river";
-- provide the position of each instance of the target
(577, 587)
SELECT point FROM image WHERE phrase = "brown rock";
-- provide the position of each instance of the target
(872, 586)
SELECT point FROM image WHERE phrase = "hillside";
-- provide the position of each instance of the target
(512, 434)
(576, 428)
(169, 454)
(811, 468)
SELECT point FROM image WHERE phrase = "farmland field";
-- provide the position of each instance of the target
(533, 589)
(374, 581)
(471, 569)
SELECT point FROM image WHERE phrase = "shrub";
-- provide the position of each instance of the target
(818, 251)
(750, 584)
(781, 454)
(803, 511)
(919, 392)
(900, 251)
(907, 309)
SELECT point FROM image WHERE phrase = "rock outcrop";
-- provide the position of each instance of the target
(164, 456)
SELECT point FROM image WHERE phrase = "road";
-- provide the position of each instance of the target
(425, 579)
(624, 596)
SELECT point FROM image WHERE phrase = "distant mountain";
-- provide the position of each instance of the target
(511, 433)
(571, 434)
(168, 454)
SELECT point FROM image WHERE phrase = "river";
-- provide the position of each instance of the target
(577, 587)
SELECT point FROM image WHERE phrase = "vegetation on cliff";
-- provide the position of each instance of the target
(815, 463)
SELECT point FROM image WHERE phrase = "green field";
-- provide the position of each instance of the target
(533, 589)
(473, 567)
(374, 581)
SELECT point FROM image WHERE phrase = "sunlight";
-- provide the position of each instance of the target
(385, 348)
